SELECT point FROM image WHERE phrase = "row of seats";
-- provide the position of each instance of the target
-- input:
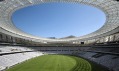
(8, 49)
(56, 50)
(105, 49)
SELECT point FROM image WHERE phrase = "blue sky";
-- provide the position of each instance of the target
(59, 19)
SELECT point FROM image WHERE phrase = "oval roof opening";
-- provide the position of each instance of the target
(59, 20)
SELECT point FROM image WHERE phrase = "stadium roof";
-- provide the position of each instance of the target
(109, 7)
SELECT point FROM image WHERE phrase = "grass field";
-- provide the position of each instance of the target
(53, 63)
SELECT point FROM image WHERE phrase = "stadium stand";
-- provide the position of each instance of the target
(107, 60)
(9, 57)
(106, 56)
(101, 46)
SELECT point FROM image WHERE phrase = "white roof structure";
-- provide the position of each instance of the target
(8, 7)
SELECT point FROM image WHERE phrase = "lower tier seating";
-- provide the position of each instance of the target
(109, 61)
(9, 60)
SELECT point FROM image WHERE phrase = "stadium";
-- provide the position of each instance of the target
(97, 51)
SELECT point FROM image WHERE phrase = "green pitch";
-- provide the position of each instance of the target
(53, 63)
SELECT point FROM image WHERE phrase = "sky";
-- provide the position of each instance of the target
(59, 19)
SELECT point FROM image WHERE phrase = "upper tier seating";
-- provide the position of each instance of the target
(9, 49)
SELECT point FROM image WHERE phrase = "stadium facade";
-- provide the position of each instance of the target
(101, 46)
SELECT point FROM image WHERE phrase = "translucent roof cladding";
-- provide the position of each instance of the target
(110, 8)
(59, 19)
